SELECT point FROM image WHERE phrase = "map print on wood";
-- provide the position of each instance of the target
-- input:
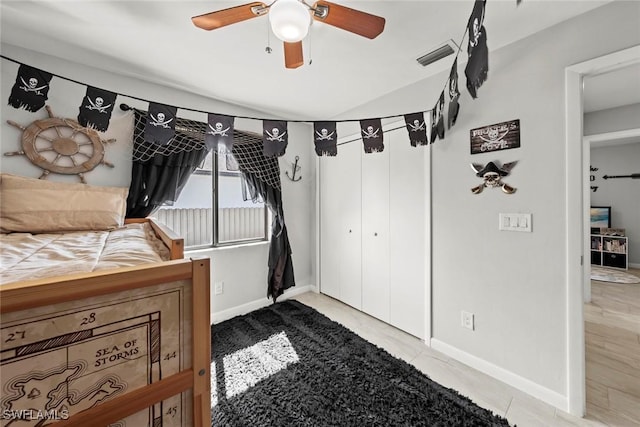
(66, 359)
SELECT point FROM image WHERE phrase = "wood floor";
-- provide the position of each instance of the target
(612, 340)
(518, 407)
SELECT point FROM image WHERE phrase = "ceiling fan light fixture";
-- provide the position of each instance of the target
(290, 20)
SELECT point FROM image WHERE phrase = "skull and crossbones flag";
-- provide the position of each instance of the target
(161, 124)
(219, 134)
(325, 138)
(437, 119)
(274, 137)
(478, 66)
(30, 89)
(371, 130)
(96, 108)
(454, 95)
(417, 128)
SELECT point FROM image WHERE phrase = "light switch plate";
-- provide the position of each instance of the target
(515, 222)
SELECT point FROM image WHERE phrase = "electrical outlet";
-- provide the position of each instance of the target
(467, 320)
(218, 288)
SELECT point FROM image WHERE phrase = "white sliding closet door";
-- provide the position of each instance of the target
(350, 213)
(375, 234)
(331, 175)
(341, 225)
(407, 244)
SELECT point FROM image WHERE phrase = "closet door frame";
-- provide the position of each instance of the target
(426, 152)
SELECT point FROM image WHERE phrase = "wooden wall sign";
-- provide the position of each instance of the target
(500, 136)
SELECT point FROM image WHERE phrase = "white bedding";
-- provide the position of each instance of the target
(25, 256)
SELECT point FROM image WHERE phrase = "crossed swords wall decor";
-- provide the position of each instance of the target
(492, 175)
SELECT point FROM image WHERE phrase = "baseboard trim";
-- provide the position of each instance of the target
(534, 389)
(219, 316)
(634, 265)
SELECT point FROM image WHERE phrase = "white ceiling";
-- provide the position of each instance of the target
(156, 41)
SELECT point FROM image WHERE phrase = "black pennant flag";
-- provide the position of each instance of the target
(325, 138)
(371, 130)
(161, 123)
(478, 66)
(417, 128)
(437, 119)
(274, 138)
(454, 95)
(219, 134)
(96, 108)
(30, 89)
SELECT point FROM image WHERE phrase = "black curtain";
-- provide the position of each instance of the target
(263, 182)
(158, 175)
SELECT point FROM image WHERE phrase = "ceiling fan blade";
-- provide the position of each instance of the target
(355, 21)
(221, 18)
(293, 54)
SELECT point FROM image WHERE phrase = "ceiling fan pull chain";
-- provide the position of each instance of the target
(309, 44)
(268, 48)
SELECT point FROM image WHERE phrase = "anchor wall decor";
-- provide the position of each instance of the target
(294, 169)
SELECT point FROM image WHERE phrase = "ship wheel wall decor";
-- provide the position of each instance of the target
(61, 146)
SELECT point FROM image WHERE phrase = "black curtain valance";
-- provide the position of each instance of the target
(159, 173)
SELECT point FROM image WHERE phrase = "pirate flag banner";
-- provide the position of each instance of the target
(454, 95)
(96, 108)
(371, 130)
(437, 119)
(274, 137)
(478, 66)
(30, 89)
(219, 134)
(325, 138)
(417, 128)
(161, 124)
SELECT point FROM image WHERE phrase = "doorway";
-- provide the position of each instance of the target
(577, 203)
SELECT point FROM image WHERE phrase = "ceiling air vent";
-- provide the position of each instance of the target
(437, 54)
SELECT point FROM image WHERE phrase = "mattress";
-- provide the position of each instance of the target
(25, 256)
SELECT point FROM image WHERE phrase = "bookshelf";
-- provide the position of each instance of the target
(609, 251)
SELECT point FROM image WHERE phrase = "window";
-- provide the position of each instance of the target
(206, 217)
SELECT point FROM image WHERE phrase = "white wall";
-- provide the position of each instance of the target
(514, 283)
(623, 195)
(243, 269)
(612, 119)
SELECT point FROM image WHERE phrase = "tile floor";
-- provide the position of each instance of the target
(518, 407)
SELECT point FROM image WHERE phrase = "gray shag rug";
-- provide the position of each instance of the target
(288, 365)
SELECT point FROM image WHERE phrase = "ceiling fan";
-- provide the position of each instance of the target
(290, 21)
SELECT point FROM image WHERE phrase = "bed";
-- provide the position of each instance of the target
(109, 345)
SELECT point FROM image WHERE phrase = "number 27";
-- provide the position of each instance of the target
(15, 335)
